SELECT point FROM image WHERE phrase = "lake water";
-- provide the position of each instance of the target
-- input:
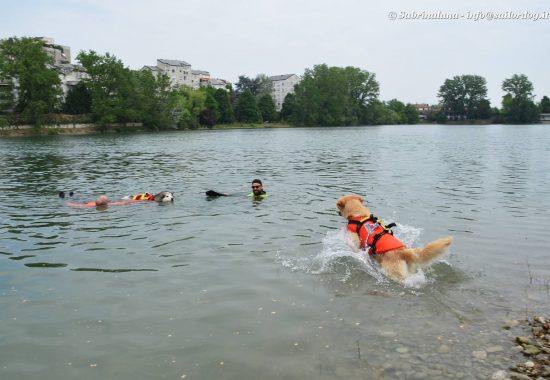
(231, 288)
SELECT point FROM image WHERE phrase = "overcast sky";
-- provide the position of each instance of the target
(410, 57)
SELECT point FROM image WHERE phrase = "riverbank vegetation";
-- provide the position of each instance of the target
(464, 98)
(109, 93)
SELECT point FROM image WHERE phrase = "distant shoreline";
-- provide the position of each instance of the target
(92, 129)
(71, 129)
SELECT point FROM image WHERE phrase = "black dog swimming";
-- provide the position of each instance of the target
(62, 194)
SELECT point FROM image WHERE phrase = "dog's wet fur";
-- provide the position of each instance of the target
(398, 264)
(164, 196)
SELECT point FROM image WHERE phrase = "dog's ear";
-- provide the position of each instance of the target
(340, 204)
(359, 198)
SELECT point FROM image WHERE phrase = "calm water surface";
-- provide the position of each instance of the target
(230, 288)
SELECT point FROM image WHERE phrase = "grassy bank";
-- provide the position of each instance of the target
(90, 129)
(471, 122)
(249, 126)
(68, 129)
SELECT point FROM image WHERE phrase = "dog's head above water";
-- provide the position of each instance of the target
(352, 205)
(165, 196)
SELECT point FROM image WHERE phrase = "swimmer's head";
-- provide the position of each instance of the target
(102, 200)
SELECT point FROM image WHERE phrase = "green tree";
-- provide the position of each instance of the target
(266, 106)
(259, 86)
(246, 110)
(399, 109)
(411, 114)
(545, 104)
(187, 105)
(111, 87)
(451, 94)
(152, 100)
(25, 62)
(307, 101)
(381, 114)
(225, 109)
(211, 104)
(78, 100)
(245, 83)
(484, 110)
(289, 107)
(437, 115)
(265, 86)
(334, 96)
(517, 104)
(496, 113)
(519, 86)
(475, 101)
(464, 96)
(208, 118)
(7, 100)
(363, 86)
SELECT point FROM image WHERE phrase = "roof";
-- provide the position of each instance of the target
(173, 62)
(281, 77)
(67, 67)
(218, 81)
(200, 72)
(152, 68)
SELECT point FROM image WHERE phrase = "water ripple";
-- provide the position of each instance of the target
(279, 269)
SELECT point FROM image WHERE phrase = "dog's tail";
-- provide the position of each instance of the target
(427, 254)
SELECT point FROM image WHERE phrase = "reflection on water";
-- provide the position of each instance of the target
(232, 288)
(45, 265)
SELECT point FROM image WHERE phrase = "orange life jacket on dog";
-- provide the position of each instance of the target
(143, 197)
(374, 234)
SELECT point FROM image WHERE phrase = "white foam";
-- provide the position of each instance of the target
(416, 280)
(338, 256)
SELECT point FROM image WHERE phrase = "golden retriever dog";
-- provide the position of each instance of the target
(369, 232)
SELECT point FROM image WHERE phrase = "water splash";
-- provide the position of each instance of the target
(409, 236)
(339, 257)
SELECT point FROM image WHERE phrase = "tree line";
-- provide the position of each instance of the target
(30, 92)
(112, 93)
(464, 97)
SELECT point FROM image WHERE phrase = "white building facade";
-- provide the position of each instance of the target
(61, 54)
(282, 86)
(70, 75)
(181, 74)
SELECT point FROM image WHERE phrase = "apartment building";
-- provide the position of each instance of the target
(181, 74)
(282, 86)
(60, 54)
(70, 75)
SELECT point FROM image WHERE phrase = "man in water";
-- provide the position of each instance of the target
(102, 201)
(257, 190)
